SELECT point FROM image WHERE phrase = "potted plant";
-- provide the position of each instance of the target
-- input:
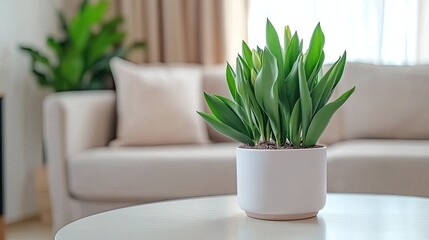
(82, 53)
(278, 109)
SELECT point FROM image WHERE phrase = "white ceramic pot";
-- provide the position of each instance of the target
(285, 184)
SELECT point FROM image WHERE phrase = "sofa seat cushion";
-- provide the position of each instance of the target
(379, 166)
(154, 173)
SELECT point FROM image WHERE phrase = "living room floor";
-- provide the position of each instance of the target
(29, 229)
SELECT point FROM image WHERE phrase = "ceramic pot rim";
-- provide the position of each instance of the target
(283, 150)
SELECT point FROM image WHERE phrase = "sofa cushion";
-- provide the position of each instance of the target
(153, 173)
(379, 166)
(157, 104)
(389, 102)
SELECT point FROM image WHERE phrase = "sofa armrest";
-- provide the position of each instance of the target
(73, 122)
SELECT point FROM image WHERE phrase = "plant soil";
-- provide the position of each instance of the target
(271, 145)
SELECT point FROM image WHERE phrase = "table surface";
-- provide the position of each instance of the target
(345, 216)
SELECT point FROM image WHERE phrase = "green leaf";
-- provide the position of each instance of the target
(257, 114)
(54, 45)
(105, 39)
(332, 81)
(292, 53)
(71, 68)
(241, 113)
(273, 44)
(240, 82)
(83, 5)
(283, 95)
(35, 55)
(295, 124)
(102, 64)
(253, 76)
(245, 68)
(306, 104)
(256, 59)
(112, 25)
(224, 113)
(247, 54)
(80, 26)
(266, 89)
(101, 44)
(247, 97)
(63, 22)
(259, 51)
(225, 129)
(314, 50)
(94, 13)
(292, 85)
(284, 125)
(42, 78)
(284, 110)
(266, 78)
(40, 66)
(317, 92)
(230, 79)
(136, 45)
(340, 69)
(287, 37)
(239, 110)
(245, 94)
(312, 79)
(322, 118)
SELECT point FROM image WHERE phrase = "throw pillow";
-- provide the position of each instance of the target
(157, 104)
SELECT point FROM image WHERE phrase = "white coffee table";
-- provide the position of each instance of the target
(345, 216)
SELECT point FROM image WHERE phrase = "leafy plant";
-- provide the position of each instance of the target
(279, 95)
(83, 53)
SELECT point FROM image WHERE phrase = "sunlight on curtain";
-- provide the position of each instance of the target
(373, 31)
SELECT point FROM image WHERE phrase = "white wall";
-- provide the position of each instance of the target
(22, 22)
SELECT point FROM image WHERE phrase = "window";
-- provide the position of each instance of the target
(373, 31)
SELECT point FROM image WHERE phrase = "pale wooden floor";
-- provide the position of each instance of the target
(30, 229)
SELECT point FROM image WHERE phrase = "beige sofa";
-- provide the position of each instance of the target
(367, 151)
(382, 133)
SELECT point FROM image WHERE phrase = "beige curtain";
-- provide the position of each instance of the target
(192, 31)
(185, 31)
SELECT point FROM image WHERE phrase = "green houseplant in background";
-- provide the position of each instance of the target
(278, 109)
(81, 55)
